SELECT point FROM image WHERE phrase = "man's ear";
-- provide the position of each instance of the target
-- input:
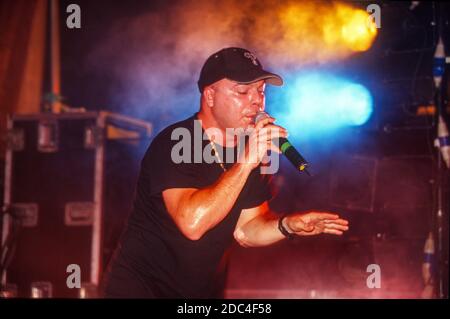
(209, 95)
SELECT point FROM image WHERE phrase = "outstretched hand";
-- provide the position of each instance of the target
(314, 223)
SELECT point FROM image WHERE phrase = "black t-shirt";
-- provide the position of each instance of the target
(154, 259)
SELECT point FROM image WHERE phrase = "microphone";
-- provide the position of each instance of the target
(287, 149)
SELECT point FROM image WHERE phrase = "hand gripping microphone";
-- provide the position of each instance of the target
(287, 149)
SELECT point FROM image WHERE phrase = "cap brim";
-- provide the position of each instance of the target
(269, 77)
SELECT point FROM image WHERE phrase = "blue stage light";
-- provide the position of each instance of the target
(317, 102)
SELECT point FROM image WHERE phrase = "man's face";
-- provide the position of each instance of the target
(235, 105)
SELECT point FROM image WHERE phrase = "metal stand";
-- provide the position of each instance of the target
(440, 215)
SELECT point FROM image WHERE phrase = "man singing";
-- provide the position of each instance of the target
(187, 213)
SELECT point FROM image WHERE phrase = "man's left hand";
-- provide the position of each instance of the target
(314, 223)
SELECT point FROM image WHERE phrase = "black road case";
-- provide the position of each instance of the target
(68, 186)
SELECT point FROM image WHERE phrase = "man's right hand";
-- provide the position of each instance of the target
(260, 141)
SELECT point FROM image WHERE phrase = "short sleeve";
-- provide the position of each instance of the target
(162, 172)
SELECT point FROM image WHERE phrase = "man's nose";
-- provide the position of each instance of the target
(257, 100)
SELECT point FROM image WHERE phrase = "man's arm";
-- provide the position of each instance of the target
(195, 211)
(258, 226)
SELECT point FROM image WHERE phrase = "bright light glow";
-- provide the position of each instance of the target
(320, 102)
(316, 32)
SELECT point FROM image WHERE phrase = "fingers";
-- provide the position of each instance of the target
(266, 125)
(261, 140)
(336, 226)
(265, 133)
(325, 216)
(274, 148)
(339, 221)
(314, 223)
(333, 232)
(264, 122)
(328, 217)
(272, 131)
(265, 137)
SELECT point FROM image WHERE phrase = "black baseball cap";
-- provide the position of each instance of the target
(235, 64)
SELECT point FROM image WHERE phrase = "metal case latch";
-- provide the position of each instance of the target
(79, 213)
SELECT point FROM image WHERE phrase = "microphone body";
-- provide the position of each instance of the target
(287, 149)
(292, 154)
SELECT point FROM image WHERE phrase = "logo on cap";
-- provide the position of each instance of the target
(251, 56)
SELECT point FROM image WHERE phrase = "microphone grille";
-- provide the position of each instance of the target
(260, 115)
